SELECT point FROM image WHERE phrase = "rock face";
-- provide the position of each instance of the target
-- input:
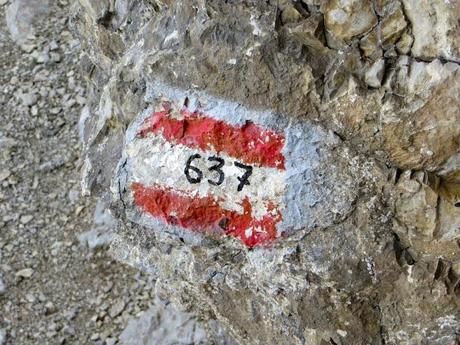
(289, 170)
(163, 324)
(435, 28)
(345, 20)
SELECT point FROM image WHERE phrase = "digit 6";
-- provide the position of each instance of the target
(197, 171)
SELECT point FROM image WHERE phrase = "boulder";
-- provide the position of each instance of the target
(286, 170)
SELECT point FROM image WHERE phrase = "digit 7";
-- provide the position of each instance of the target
(244, 180)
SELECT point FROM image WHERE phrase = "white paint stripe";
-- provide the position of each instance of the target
(155, 161)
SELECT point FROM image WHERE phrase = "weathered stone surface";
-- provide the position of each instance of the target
(21, 16)
(416, 142)
(435, 28)
(372, 257)
(348, 19)
(103, 229)
(163, 324)
(374, 74)
(416, 207)
(392, 25)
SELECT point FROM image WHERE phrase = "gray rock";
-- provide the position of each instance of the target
(25, 273)
(50, 308)
(29, 99)
(25, 219)
(95, 238)
(368, 109)
(4, 174)
(2, 286)
(2, 336)
(374, 74)
(21, 16)
(69, 330)
(434, 28)
(345, 20)
(103, 231)
(117, 308)
(28, 47)
(30, 298)
(55, 57)
(53, 46)
(40, 57)
(110, 341)
(163, 324)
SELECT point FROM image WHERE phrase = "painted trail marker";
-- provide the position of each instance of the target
(199, 164)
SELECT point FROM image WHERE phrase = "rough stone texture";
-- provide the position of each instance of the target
(163, 324)
(102, 232)
(382, 77)
(345, 20)
(435, 28)
(53, 290)
(21, 17)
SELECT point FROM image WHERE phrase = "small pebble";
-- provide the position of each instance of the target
(30, 298)
(110, 341)
(4, 174)
(117, 309)
(26, 219)
(53, 45)
(25, 273)
(55, 57)
(50, 308)
(29, 99)
(41, 58)
(28, 47)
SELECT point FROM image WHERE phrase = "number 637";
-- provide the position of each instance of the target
(244, 179)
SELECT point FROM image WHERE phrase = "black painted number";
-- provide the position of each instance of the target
(244, 180)
(188, 167)
(217, 167)
(198, 174)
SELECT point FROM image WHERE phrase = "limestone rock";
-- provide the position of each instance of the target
(374, 74)
(392, 26)
(346, 231)
(348, 19)
(412, 145)
(416, 207)
(405, 43)
(386, 33)
(435, 28)
(370, 45)
(21, 16)
(103, 229)
(163, 324)
(25, 273)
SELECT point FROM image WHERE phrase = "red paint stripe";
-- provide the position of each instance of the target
(249, 143)
(205, 214)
